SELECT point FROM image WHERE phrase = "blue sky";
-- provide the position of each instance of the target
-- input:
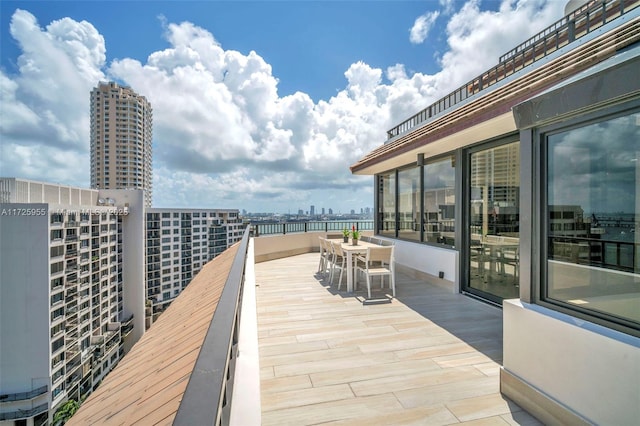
(309, 44)
(257, 105)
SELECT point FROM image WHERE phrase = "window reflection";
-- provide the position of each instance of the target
(593, 212)
(439, 201)
(409, 204)
(494, 210)
(387, 204)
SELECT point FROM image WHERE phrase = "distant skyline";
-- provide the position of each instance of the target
(260, 105)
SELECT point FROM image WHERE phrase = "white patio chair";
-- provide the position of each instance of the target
(378, 262)
(325, 253)
(339, 261)
(510, 256)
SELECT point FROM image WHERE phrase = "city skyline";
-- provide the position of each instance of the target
(282, 118)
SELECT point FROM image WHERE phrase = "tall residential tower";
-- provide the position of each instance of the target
(121, 133)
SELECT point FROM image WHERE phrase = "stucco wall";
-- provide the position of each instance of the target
(24, 302)
(133, 254)
(428, 260)
(269, 247)
(591, 370)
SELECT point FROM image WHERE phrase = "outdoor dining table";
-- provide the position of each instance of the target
(350, 249)
(496, 249)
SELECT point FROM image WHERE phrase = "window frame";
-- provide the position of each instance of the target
(540, 212)
(457, 190)
(456, 154)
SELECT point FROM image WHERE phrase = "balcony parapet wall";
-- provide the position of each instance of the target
(272, 247)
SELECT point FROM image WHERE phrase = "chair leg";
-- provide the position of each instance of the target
(331, 269)
(356, 274)
(369, 285)
(393, 284)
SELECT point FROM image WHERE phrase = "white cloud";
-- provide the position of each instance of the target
(477, 38)
(422, 26)
(41, 128)
(447, 6)
(223, 137)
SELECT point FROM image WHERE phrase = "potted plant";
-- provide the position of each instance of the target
(345, 235)
(355, 235)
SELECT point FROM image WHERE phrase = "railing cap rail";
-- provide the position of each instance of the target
(205, 399)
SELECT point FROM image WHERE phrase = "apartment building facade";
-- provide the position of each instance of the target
(532, 156)
(179, 242)
(71, 292)
(121, 139)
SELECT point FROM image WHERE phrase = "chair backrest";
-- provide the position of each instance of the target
(337, 248)
(380, 254)
(323, 244)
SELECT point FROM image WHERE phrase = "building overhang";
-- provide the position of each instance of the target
(489, 114)
(610, 82)
(498, 125)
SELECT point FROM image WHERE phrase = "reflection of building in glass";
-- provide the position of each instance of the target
(495, 190)
(498, 170)
(570, 234)
(567, 221)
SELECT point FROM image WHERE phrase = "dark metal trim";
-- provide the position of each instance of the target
(539, 255)
(465, 253)
(608, 85)
(207, 398)
(529, 186)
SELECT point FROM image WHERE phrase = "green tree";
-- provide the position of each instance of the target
(64, 413)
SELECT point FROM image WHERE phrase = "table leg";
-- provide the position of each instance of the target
(349, 272)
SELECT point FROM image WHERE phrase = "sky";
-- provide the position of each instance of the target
(258, 105)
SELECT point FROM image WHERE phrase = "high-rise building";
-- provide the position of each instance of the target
(179, 243)
(121, 133)
(71, 292)
(312, 210)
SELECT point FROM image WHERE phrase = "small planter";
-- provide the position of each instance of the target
(346, 239)
(355, 241)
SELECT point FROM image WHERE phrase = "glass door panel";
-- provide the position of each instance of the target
(494, 237)
(387, 204)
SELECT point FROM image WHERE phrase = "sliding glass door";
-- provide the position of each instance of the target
(493, 214)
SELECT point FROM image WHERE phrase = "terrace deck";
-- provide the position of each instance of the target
(429, 356)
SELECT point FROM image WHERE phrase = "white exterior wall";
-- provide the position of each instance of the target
(133, 255)
(541, 346)
(428, 259)
(25, 281)
(24, 304)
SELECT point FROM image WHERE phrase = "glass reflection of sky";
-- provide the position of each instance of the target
(596, 166)
(439, 174)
